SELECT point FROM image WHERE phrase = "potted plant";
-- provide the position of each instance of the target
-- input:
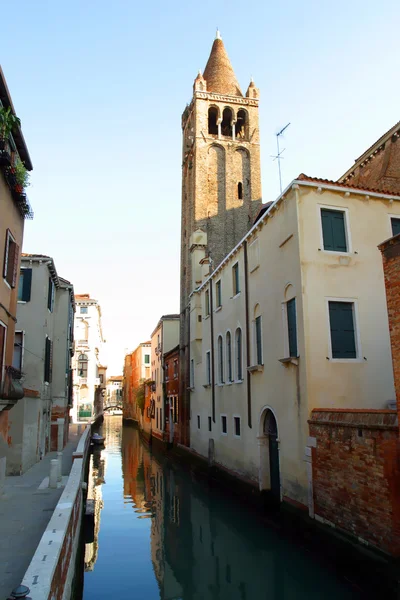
(7, 123)
(21, 176)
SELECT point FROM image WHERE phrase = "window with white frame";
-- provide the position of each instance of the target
(334, 229)
(18, 350)
(257, 337)
(224, 425)
(192, 373)
(208, 367)
(11, 255)
(218, 293)
(209, 423)
(236, 426)
(235, 279)
(239, 354)
(395, 223)
(207, 303)
(229, 357)
(220, 360)
(342, 324)
(198, 422)
(50, 295)
(291, 321)
(24, 285)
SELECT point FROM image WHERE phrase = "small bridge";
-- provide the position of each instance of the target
(112, 405)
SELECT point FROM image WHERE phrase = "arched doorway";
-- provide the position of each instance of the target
(269, 476)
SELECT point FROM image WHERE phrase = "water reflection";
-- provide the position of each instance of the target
(165, 537)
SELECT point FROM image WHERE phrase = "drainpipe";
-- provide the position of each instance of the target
(212, 351)
(246, 300)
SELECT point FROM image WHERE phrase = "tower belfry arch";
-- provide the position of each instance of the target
(221, 181)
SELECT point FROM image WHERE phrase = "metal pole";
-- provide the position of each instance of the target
(279, 163)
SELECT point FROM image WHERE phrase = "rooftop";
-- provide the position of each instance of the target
(219, 74)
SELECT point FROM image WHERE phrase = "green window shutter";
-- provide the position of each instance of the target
(333, 230)
(47, 360)
(343, 340)
(395, 226)
(26, 284)
(50, 294)
(292, 327)
(258, 341)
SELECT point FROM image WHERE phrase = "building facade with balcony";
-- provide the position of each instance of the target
(87, 363)
(14, 209)
(43, 348)
(164, 337)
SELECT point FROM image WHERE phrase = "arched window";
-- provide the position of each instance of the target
(241, 125)
(220, 360)
(82, 365)
(226, 125)
(238, 354)
(212, 120)
(229, 356)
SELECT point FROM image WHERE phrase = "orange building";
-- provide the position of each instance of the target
(136, 371)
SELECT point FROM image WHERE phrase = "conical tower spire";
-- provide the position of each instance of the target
(219, 73)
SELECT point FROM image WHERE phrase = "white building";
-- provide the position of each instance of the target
(87, 363)
(293, 319)
(114, 390)
(43, 349)
(164, 337)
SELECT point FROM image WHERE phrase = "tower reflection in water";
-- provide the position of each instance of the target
(202, 546)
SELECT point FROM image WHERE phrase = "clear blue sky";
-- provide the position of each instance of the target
(100, 88)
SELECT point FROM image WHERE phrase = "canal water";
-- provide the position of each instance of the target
(160, 534)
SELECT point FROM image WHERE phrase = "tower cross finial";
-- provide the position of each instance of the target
(218, 34)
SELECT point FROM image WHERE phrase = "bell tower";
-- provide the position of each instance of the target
(221, 182)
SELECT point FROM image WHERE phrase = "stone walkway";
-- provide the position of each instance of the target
(25, 511)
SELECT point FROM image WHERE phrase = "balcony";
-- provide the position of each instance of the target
(11, 388)
(5, 153)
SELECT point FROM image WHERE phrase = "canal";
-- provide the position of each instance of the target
(160, 534)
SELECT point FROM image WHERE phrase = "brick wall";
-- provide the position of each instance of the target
(391, 266)
(356, 473)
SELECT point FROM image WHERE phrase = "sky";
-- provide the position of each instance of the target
(100, 88)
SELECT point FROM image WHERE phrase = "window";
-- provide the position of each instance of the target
(341, 319)
(395, 225)
(198, 421)
(11, 254)
(239, 364)
(236, 426)
(209, 423)
(18, 349)
(82, 365)
(229, 356)
(175, 402)
(166, 372)
(220, 360)
(258, 340)
(192, 373)
(226, 125)
(292, 327)
(101, 377)
(218, 293)
(208, 368)
(235, 279)
(50, 295)
(334, 230)
(157, 418)
(83, 310)
(48, 359)
(147, 359)
(212, 120)
(240, 190)
(240, 125)
(207, 303)
(175, 369)
(24, 285)
(224, 427)
(3, 335)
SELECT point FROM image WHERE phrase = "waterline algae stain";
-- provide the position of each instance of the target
(160, 534)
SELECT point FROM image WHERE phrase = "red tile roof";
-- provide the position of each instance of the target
(303, 177)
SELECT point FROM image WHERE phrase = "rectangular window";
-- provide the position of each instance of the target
(157, 418)
(224, 428)
(209, 423)
(218, 293)
(166, 372)
(395, 225)
(11, 255)
(334, 230)
(147, 359)
(175, 403)
(18, 348)
(229, 356)
(207, 303)
(198, 421)
(292, 327)
(83, 310)
(341, 319)
(208, 368)
(175, 369)
(101, 377)
(48, 360)
(220, 360)
(161, 419)
(24, 285)
(50, 295)
(239, 364)
(258, 334)
(236, 426)
(192, 373)
(235, 279)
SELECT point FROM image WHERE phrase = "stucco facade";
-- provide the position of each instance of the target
(87, 363)
(278, 306)
(137, 368)
(42, 352)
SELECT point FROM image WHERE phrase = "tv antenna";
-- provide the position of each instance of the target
(278, 156)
